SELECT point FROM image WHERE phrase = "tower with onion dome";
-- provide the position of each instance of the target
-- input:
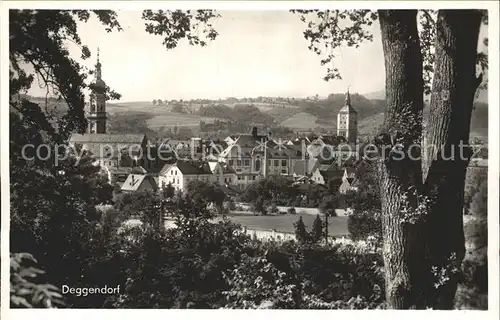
(97, 116)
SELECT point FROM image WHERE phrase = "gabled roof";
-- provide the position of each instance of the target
(213, 165)
(108, 138)
(350, 172)
(134, 181)
(248, 140)
(331, 173)
(188, 167)
(299, 167)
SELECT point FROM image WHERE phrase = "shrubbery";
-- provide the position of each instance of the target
(292, 276)
(362, 224)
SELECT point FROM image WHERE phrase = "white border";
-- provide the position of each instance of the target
(493, 174)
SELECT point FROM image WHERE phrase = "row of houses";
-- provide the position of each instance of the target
(133, 163)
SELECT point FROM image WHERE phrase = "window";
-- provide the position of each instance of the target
(247, 162)
(276, 163)
(253, 178)
(230, 180)
(231, 162)
(283, 163)
(239, 177)
(257, 164)
(238, 163)
(283, 171)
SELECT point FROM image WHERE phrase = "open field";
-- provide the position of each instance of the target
(337, 226)
(170, 119)
(301, 121)
(282, 114)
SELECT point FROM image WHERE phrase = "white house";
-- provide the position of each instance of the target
(182, 172)
(349, 181)
(139, 182)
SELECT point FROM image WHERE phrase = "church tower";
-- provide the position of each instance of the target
(97, 116)
(347, 121)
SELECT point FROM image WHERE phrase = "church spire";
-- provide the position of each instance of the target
(347, 97)
(97, 117)
(98, 72)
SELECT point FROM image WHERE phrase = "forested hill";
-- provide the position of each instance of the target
(295, 113)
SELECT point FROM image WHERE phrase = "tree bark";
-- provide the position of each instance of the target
(446, 157)
(402, 245)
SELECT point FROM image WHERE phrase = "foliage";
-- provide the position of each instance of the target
(275, 188)
(330, 30)
(168, 191)
(142, 205)
(181, 267)
(177, 25)
(479, 205)
(23, 291)
(473, 292)
(257, 284)
(364, 224)
(324, 31)
(178, 108)
(318, 227)
(282, 192)
(200, 191)
(297, 276)
(131, 122)
(301, 233)
(328, 205)
(54, 197)
(245, 115)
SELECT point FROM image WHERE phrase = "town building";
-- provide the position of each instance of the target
(139, 182)
(113, 151)
(326, 172)
(179, 174)
(255, 156)
(349, 181)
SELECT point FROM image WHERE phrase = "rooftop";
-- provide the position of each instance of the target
(108, 138)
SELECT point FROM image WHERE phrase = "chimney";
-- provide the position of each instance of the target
(254, 132)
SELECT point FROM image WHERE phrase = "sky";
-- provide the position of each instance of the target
(257, 53)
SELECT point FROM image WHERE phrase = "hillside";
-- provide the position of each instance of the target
(380, 95)
(479, 122)
(298, 114)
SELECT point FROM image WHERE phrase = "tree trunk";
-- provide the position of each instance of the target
(446, 154)
(402, 246)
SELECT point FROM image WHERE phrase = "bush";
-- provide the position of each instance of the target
(291, 211)
(362, 224)
(273, 208)
(343, 275)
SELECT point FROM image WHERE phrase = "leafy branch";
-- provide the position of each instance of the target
(331, 29)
